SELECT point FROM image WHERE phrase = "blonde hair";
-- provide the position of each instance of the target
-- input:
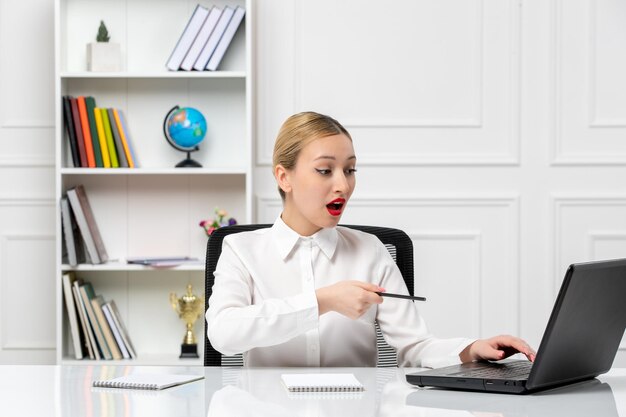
(298, 131)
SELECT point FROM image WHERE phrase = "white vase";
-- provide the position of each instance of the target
(104, 57)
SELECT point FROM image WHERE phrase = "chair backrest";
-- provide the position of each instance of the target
(396, 241)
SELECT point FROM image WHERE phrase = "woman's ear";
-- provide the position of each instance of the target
(282, 178)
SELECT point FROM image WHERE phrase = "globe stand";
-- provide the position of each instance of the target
(188, 162)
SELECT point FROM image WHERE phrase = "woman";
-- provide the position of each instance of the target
(303, 292)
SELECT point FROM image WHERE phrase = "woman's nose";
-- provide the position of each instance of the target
(341, 183)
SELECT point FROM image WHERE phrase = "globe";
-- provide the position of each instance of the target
(184, 128)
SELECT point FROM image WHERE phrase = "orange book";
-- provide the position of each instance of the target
(129, 158)
(84, 121)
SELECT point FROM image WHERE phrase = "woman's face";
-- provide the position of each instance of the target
(319, 186)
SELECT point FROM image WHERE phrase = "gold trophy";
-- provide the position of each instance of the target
(189, 308)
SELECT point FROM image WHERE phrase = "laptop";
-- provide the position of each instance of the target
(580, 342)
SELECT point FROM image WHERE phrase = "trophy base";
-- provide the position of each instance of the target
(188, 351)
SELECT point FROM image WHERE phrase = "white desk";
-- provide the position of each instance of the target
(66, 391)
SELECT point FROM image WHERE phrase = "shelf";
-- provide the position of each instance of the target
(144, 360)
(124, 267)
(153, 171)
(154, 209)
(153, 74)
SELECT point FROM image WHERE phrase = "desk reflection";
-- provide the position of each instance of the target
(255, 392)
(259, 392)
(589, 398)
(234, 392)
(80, 399)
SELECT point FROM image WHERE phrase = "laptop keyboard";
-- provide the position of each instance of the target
(513, 370)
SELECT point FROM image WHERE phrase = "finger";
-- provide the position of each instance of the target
(490, 353)
(513, 345)
(372, 298)
(368, 286)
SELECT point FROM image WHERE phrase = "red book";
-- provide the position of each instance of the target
(84, 122)
(79, 133)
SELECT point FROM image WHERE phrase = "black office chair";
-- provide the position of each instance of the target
(396, 241)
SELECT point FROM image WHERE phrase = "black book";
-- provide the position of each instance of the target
(69, 125)
(90, 103)
(119, 146)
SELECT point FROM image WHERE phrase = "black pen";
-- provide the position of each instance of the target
(406, 297)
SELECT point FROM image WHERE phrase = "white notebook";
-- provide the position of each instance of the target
(321, 382)
(147, 381)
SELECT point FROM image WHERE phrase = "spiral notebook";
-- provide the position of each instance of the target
(321, 383)
(147, 381)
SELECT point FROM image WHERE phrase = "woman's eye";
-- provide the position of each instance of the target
(350, 171)
(323, 171)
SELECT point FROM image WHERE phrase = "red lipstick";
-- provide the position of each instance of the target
(336, 206)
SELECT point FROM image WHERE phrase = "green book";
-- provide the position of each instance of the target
(109, 135)
(90, 103)
(87, 294)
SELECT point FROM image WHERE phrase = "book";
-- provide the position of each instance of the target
(120, 131)
(127, 137)
(163, 261)
(69, 126)
(68, 279)
(90, 104)
(87, 224)
(201, 39)
(321, 383)
(119, 147)
(71, 235)
(78, 130)
(84, 123)
(117, 333)
(147, 381)
(209, 47)
(106, 161)
(117, 318)
(87, 294)
(226, 38)
(96, 303)
(189, 34)
(110, 144)
(90, 338)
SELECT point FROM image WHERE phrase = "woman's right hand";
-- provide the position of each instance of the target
(350, 298)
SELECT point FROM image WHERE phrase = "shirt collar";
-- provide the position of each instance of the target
(286, 239)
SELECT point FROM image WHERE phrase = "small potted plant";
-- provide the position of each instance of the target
(102, 55)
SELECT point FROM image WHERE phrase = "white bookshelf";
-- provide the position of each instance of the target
(152, 210)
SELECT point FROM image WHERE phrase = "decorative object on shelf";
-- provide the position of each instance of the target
(102, 55)
(211, 225)
(184, 128)
(206, 38)
(189, 308)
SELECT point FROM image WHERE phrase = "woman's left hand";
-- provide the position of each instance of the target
(496, 348)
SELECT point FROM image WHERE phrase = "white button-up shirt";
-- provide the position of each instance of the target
(264, 303)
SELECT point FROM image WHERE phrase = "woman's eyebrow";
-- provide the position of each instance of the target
(333, 158)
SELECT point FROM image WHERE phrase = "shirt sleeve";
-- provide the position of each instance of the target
(404, 328)
(235, 325)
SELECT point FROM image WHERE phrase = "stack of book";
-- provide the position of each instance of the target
(98, 137)
(96, 325)
(83, 242)
(206, 38)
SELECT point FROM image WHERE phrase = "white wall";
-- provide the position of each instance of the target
(490, 130)
(27, 293)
